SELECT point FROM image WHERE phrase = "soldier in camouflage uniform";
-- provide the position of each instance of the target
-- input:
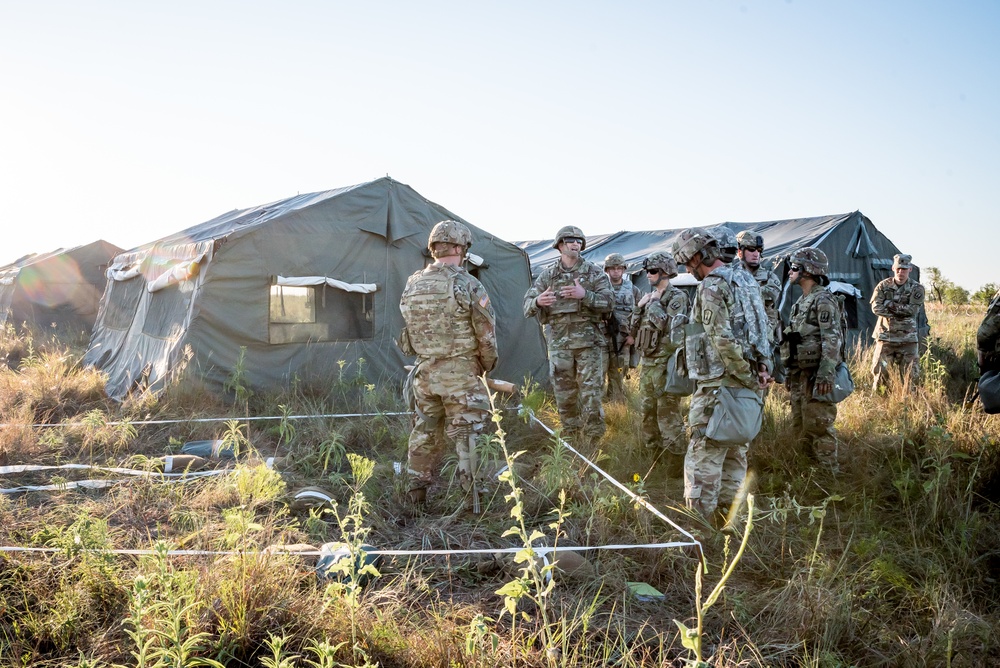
(571, 299)
(450, 327)
(750, 250)
(656, 323)
(988, 337)
(812, 349)
(726, 345)
(896, 301)
(621, 355)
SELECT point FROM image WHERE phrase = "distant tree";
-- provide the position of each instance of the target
(984, 294)
(936, 283)
(956, 294)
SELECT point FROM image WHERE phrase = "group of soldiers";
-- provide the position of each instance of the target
(598, 325)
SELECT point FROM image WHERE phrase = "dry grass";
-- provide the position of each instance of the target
(891, 563)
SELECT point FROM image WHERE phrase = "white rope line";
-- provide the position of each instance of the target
(540, 551)
(23, 468)
(635, 498)
(253, 418)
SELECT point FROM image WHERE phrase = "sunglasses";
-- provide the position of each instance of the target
(759, 249)
(795, 267)
(572, 240)
(652, 271)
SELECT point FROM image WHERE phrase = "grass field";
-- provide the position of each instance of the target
(894, 562)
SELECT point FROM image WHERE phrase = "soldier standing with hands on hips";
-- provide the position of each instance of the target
(572, 297)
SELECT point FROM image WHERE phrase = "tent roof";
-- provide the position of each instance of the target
(781, 238)
(242, 220)
(35, 258)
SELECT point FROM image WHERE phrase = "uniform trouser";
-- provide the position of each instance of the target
(662, 422)
(904, 355)
(813, 420)
(451, 405)
(713, 473)
(615, 368)
(578, 384)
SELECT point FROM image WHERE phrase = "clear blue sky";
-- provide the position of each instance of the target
(128, 120)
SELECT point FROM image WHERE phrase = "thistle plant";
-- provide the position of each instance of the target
(536, 580)
(351, 573)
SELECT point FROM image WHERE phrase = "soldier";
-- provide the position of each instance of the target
(657, 325)
(450, 327)
(812, 349)
(621, 354)
(571, 298)
(726, 346)
(750, 250)
(896, 301)
(988, 338)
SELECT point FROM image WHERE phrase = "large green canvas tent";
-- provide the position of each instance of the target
(303, 284)
(57, 291)
(860, 256)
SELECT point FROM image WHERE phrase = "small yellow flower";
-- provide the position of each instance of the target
(635, 477)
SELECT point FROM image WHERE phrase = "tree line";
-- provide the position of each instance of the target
(944, 291)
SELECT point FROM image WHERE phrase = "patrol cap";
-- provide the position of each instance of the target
(902, 261)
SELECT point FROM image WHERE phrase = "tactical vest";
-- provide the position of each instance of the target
(437, 325)
(652, 342)
(805, 321)
(703, 359)
(624, 301)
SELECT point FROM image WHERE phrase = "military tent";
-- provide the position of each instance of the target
(860, 256)
(58, 291)
(304, 284)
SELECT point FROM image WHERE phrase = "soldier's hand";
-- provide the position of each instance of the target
(824, 387)
(575, 291)
(629, 340)
(547, 298)
(764, 378)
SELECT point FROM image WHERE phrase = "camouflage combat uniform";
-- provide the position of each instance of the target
(576, 342)
(450, 327)
(988, 337)
(719, 356)
(896, 339)
(618, 362)
(658, 333)
(770, 293)
(812, 349)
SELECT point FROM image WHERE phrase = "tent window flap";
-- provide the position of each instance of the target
(319, 312)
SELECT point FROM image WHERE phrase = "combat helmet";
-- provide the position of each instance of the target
(661, 261)
(813, 262)
(727, 244)
(692, 241)
(614, 260)
(570, 231)
(748, 239)
(450, 232)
